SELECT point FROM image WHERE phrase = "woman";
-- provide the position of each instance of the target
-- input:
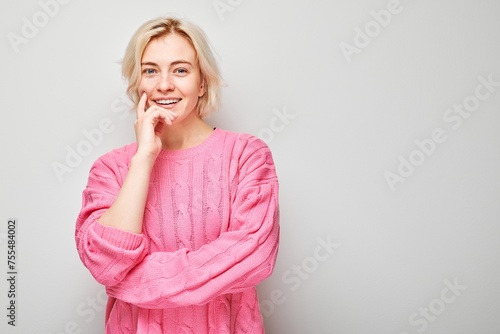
(182, 225)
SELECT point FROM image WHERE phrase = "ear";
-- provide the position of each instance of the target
(202, 89)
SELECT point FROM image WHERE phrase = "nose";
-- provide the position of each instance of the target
(164, 83)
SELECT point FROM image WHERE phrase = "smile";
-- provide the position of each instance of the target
(167, 102)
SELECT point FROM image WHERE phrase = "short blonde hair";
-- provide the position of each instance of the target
(211, 78)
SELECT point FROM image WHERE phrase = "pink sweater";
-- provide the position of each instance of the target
(210, 235)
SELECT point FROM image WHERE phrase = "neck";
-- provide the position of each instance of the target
(185, 134)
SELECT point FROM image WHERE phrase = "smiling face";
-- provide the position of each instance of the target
(171, 76)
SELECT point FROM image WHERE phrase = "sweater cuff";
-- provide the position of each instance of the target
(118, 238)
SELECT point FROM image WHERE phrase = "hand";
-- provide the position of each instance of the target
(149, 125)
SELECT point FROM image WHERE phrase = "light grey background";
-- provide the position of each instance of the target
(341, 110)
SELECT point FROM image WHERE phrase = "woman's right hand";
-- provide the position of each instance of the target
(148, 127)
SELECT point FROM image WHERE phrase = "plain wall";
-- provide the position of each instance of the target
(383, 118)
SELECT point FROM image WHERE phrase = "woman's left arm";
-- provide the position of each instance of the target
(240, 258)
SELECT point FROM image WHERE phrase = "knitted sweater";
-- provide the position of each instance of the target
(210, 235)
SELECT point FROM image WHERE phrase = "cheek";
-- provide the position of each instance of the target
(144, 86)
(195, 88)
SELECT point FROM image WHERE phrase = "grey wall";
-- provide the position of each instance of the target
(383, 119)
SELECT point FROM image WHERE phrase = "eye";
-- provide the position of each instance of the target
(149, 71)
(181, 71)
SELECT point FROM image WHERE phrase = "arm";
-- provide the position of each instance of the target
(109, 226)
(127, 211)
(239, 259)
(108, 252)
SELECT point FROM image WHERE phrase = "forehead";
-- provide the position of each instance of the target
(169, 48)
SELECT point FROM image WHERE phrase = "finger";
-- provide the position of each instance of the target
(166, 118)
(172, 116)
(159, 118)
(166, 115)
(141, 105)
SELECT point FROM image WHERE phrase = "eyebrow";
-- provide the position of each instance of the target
(176, 62)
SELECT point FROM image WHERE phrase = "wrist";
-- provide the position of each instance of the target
(143, 159)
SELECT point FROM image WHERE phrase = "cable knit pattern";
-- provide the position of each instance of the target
(210, 235)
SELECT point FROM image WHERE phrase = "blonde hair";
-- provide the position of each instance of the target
(211, 78)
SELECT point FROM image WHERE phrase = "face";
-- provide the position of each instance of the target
(171, 76)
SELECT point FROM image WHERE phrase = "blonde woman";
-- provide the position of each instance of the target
(182, 225)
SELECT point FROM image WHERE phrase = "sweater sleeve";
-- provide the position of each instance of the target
(107, 252)
(239, 259)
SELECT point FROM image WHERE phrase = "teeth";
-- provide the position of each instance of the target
(169, 101)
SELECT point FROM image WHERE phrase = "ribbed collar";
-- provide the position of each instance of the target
(216, 135)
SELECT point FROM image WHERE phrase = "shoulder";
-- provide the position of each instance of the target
(243, 143)
(117, 158)
(248, 153)
(110, 169)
